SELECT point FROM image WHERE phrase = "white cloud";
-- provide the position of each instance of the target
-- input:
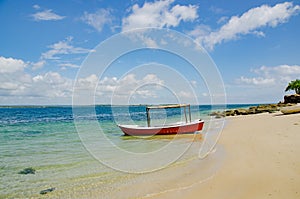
(257, 81)
(18, 86)
(53, 78)
(51, 84)
(98, 19)
(266, 84)
(277, 76)
(129, 85)
(249, 23)
(38, 64)
(158, 14)
(279, 71)
(11, 65)
(194, 83)
(149, 42)
(152, 79)
(86, 83)
(200, 32)
(222, 20)
(68, 65)
(46, 15)
(63, 48)
(144, 94)
(140, 36)
(184, 94)
(217, 10)
(59, 50)
(116, 90)
(8, 86)
(37, 7)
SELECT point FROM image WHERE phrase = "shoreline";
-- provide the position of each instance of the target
(256, 156)
(262, 160)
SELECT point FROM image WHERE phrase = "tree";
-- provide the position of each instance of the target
(294, 85)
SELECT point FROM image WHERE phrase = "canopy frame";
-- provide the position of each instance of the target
(148, 108)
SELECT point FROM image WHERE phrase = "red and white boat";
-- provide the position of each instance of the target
(187, 127)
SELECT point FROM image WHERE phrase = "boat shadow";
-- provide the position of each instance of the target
(281, 114)
(192, 137)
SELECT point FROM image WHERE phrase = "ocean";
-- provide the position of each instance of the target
(63, 146)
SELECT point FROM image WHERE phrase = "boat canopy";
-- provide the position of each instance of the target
(170, 106)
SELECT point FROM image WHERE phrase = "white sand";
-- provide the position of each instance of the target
(262, 160)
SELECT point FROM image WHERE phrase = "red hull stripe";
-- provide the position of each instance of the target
(168, 130)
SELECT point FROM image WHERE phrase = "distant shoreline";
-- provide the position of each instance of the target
(59, 106)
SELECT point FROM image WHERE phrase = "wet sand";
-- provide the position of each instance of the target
(262, 160)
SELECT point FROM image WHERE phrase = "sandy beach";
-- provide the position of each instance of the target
(257, 156)
(262, 160)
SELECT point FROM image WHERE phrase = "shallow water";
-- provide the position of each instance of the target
(47, 139)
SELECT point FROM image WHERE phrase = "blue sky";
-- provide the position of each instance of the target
(254, 44)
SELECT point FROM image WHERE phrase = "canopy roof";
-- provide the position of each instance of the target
(168, 106)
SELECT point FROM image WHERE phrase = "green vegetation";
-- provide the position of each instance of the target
(294, 85)
(47, 190)
(29, 170)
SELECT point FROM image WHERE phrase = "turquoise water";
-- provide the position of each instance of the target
(47, 139)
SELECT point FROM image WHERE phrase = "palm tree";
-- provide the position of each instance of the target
(294, 85)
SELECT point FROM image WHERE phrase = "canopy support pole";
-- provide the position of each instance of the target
(190, 113)
(184, 108)
(148, 117)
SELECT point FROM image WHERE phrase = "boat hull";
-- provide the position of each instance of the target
(291, 109)
(186, 128)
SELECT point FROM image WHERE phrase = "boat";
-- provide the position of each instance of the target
(187, 127)
(291, 109)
